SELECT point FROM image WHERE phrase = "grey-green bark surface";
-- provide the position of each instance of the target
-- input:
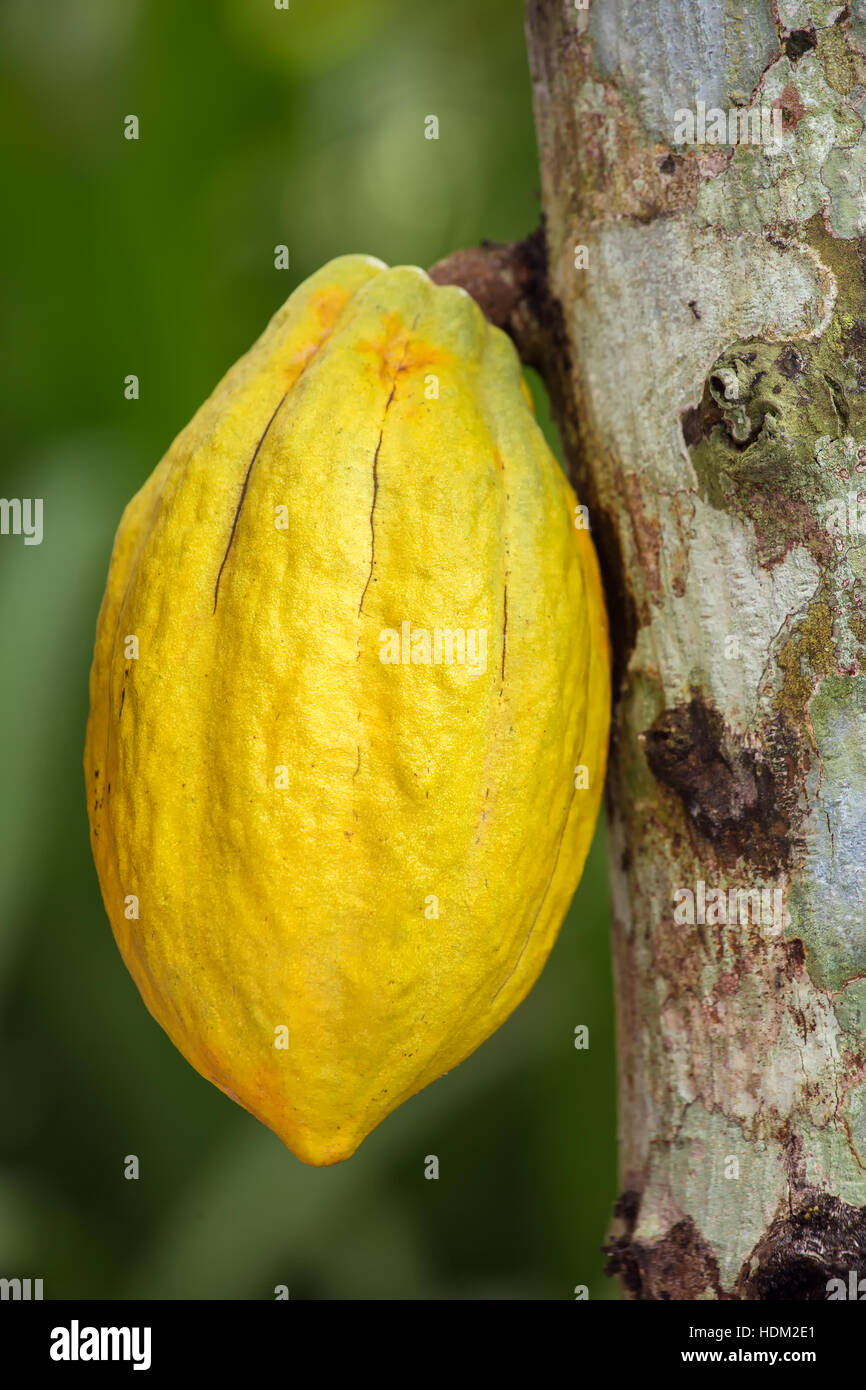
(708, 366)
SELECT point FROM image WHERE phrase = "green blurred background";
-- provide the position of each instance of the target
(156, 257)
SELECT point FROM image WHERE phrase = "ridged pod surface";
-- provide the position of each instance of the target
(332, 862)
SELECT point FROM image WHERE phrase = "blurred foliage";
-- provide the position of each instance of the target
(258, 127)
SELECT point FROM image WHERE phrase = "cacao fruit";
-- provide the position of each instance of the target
(349, 708)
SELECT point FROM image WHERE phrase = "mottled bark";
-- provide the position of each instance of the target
(706, 359)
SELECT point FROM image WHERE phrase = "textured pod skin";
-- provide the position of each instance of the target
(284, 803)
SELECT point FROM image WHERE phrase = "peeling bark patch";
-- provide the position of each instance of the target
(798, 42)
(732, 799)
(680, 1266)
(802, 1251)
(791, 106)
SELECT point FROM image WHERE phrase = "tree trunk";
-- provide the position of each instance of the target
(706, 359)
(714, 401)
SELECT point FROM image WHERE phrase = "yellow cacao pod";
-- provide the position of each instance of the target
(349, 708)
